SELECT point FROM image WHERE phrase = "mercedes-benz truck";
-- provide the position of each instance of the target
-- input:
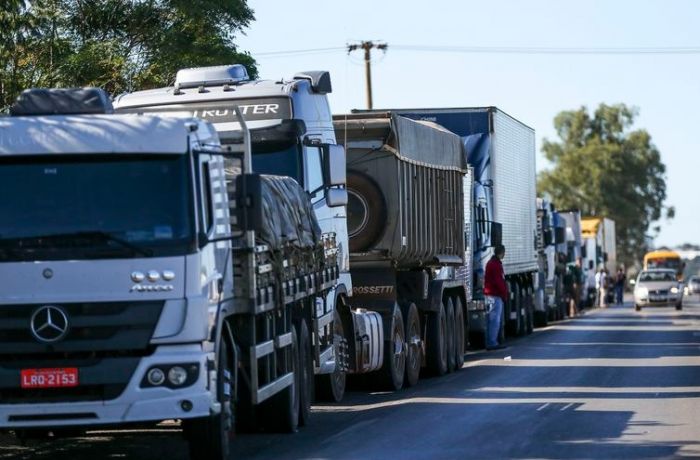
(149, 274)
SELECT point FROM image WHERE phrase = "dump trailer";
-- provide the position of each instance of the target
(291, 135)
(551, 234)
(150, 275)
(409, 222)
(501, 151)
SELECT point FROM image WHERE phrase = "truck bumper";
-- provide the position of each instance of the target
(134, 405)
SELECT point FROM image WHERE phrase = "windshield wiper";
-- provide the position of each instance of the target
(39, 240)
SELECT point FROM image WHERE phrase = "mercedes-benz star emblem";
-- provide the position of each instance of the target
(49, 324)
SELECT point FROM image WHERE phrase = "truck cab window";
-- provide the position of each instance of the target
(207, 201)
(313, 180)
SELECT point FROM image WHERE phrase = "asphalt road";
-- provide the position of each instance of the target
(611, 384)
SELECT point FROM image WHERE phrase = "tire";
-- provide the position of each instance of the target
(331, 387)
(450, 338)
(390, 376)
(366, 211)
(280, 413)
(460, 333)
(306, 375)
(637, 307)
(529, 311)
(514, 325)
(209, 438)
(541, 318)
(414, 349)
(436, 346)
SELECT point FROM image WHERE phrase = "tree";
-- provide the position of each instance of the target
(119, 45)
(605, 169)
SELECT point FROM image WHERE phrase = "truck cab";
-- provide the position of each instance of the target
(291, 134)
(108, 290)
(151, 275)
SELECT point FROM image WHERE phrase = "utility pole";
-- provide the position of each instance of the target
(367, 46)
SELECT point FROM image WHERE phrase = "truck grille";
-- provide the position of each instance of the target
(93, 328)
(105, 341)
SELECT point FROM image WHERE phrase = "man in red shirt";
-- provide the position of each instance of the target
(496, 293)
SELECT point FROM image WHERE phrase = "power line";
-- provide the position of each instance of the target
(679, 50)
(305, 51)
(548, 50)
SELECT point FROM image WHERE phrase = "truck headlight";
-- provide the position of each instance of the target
(177, 376)
(173, 376)
(155, 376)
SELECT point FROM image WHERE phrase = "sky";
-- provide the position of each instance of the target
(533, 88)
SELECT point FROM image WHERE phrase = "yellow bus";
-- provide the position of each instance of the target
(664, 259)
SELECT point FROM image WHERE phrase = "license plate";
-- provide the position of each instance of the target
(49, 378)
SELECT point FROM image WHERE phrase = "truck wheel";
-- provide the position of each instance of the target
(414, 349)
(436, 348)
(366, 211)
(529, 311)
(306, 374)
(514, 326)
(390, 376)
(540, 319)
(331, 387)
(280, 413)
(450, 338)
(460, 333)
(209, 438)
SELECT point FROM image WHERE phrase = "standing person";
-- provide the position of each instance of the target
(603, 293)
(598, 276)
(496, 293)
(591, 289)
(578, 283)
(620, 285)
(570, 289)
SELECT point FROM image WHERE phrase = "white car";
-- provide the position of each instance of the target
(658, 288)
(693, 286)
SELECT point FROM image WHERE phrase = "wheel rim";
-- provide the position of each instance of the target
(399, 352)
(413, 343)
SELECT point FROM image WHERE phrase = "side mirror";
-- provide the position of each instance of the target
(336, 197)
(334, 166)
(547, 234)
(559, 235)
(496, 233)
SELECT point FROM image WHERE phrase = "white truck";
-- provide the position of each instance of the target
(149, 275)
(599, 241)
(551, 260)
(291, 134)
(501, 151)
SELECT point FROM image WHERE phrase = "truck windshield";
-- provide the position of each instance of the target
(284, 161)
(95, 207)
